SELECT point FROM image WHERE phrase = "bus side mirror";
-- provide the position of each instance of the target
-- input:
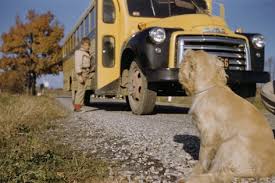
(222, 11)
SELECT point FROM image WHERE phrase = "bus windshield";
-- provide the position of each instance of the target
(165, 8)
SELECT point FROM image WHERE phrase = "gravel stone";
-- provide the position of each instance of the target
(155, 148)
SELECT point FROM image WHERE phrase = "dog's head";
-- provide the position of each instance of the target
(200, 70)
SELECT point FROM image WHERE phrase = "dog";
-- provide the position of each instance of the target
(236, 139)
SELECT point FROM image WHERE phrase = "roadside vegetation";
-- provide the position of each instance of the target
(29, 154)
(30, 49)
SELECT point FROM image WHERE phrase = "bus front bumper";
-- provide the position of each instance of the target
(238, 77)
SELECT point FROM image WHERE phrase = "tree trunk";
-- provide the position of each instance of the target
(33, 88)
(31, 83)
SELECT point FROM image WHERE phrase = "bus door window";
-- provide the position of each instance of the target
(108, 51)
(109, 14)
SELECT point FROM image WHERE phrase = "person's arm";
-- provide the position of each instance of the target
(78, 62)
(78, 65)
(92, 64)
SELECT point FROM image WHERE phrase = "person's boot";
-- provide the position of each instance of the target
(77, 107)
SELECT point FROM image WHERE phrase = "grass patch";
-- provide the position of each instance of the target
(26, 155)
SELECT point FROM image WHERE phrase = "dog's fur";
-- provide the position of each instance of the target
(236, 140)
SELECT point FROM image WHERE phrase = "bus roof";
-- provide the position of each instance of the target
(80, 20)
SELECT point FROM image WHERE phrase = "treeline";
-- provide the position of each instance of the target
(30, 49)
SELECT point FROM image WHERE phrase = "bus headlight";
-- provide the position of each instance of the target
(157, 35)
(258, 41)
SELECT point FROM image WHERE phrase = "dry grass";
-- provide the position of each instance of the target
(27, 111)
(57, 92)
(26, 155)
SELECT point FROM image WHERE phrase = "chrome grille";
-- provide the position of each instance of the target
(234, 50)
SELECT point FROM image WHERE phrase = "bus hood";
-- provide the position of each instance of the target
(193, 23)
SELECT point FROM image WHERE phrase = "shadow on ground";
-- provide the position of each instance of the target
(191, 144)
(166, 109)
(122, 106)
(110, 106)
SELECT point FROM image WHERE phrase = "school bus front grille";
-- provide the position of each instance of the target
(235, 51)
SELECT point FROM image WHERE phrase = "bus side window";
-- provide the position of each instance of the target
(108, 51)
(109, 11)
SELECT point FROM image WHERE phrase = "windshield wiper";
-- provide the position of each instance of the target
(152, 7)
(169, 8)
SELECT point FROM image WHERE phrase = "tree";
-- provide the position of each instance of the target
(14, 84)
(31, 47)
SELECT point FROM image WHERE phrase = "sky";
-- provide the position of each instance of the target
(251, 15)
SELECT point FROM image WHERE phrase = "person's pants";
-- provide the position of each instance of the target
(81, 88)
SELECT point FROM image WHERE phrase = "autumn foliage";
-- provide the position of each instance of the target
(30, 45)
(12, 81)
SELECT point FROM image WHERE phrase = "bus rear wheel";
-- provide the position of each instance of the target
(141, 99)
(87, 97)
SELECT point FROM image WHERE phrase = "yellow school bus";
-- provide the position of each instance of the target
(138, 45)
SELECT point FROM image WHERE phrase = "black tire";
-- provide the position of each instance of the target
(128, 107)
(141, 99)
(87, 97)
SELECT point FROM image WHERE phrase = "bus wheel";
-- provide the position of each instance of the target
(128, 107)
(141, 99)
(87, 97)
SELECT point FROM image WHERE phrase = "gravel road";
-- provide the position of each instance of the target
(155, 148)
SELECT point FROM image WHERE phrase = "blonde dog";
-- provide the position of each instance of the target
(236, 139)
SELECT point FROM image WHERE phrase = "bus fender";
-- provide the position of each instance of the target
(147, 54)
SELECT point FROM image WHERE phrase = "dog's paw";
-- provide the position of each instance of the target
(181, 180)
(198, 169)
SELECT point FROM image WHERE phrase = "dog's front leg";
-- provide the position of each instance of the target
(198, 169)
(206, 156)
(208, 149)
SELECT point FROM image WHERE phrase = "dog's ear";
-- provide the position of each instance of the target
(186, 71)
(189, 58)
(219, 62)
